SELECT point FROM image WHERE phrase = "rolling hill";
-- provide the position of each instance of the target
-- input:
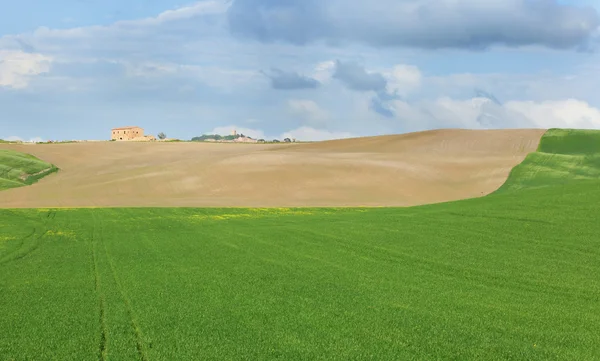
(563, 155)
(508, 276)
(395, 170)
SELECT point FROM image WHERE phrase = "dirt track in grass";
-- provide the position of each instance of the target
(394, 170)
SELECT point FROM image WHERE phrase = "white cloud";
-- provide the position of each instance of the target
(569, 113)
(17, 67)
(403, 78)
(308, 111)
(312, 134)
(324, 71)
(187, 12)
(426, 24)
(483, 113)
(14, 138)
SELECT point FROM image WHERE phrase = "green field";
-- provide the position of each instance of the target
(563, 155)
(19, 169)
(510, 276)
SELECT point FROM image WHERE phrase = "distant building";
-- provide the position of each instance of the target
(234, 132)
(127, 133)
(245, 140)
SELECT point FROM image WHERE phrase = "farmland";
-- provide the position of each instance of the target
(392, 170)
(512, 275)
(564, 155)
(18, 169)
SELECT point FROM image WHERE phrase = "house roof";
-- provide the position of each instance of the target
(125, 128)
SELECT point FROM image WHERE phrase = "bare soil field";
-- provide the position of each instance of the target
(395, 170)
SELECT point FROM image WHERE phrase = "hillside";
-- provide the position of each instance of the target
(563, 155)
(394, 170)
(511, 276)
(19, 169)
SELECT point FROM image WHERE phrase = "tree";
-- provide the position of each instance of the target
(287, 140)
(162, 135)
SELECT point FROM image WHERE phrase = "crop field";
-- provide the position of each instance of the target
(18, 169)
(509, 276)
(392, 170)
(563, 155)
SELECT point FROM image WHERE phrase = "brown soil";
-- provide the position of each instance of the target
(394, 170)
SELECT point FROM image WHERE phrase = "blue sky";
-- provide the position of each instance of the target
(307, 69)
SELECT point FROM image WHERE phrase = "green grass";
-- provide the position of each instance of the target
(563, 155)
(19, 169)
(511, 276)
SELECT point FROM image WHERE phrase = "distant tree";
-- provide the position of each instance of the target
(276, 141)
(261, 140)
(162, 135)
(204, 137)
(287, 140)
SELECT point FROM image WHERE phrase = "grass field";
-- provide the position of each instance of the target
(19, 169)
(510, 276)
(563, 155)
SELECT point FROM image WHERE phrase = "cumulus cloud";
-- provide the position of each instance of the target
(471, 24)
(14, 138)
(180, 33)
(356, 77)
(403, 78)
(308, 111)
(569, 113)
(485, 112)
(204, 9)
(324, 71)
(296, 21)
(17, 67)
(381, 107)
(476, 113)
(290, 80)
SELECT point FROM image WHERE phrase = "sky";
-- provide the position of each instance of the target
(304, 69)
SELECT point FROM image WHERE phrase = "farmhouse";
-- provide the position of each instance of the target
(127, 133)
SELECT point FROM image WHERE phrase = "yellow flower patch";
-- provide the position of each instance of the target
(60, 233)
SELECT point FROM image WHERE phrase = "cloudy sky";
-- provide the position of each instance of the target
(308, 69)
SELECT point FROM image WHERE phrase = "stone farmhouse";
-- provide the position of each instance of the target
(130, 133)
